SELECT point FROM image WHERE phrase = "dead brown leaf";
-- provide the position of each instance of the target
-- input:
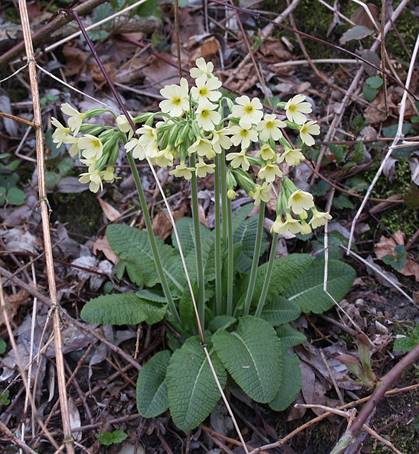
(242, 80)
(387, 246)
(207, 49)
(111, 213)
(102, 244)
(162, 226)
(75, 60)
(360, 16)
(274, 51)
(13, 302)
(161, 70)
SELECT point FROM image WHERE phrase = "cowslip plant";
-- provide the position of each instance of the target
(238, 308)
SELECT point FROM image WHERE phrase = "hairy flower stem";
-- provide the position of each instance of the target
(230, 259)
(198, 245)
(218, 252)
(268, 275)
(152, 239)
(224, 196)
(255, 260)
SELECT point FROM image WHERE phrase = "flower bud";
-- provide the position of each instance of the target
(244, 180)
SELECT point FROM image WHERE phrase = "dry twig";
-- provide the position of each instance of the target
(45, 225)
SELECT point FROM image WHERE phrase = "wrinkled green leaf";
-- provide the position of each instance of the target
(252, 355)
(290, 383)
(308, 291)
(280, 311)
(111, 438)
(151, 392)
(192, 390)
(290, 337)
(122, 309)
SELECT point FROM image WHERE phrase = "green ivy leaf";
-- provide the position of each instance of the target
(290, 383)
(4, 398)
(3, 346)
(406, 343)
(252, 356)
(111, 438)
(15, 196)
(151, 393)
(341, 202)
(122, 309)
(375, 82)
(192, 390)
(308, 291)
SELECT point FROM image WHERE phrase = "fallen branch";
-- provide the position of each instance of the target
(350, 436)
(45, 34)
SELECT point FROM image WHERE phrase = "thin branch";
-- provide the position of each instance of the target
(45, 33)
(388, 380)
(65, 415)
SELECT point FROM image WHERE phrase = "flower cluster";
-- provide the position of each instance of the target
(195, 125)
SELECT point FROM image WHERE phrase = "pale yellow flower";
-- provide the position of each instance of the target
(307, 130)
(261, 193)
(267, 153)
(269, 128)
(239, 160)
(203, 147)
(305, 229)
(164, 158)
(148, 140)
(243, 135)
(182, 171)
(61, 134)
(206, 90)
(248, 111)
(231, 194)
(202, 69)
(300, 201)
(123, 125)
(177, 99)
(203, 169)
(90, 146)
(318, 219)
(207, 116)
(93, 179)
(136, 148)
(269, 172)
(290, 225)
(109, 174)
(292, 156)
(296, 108)
(220, 141)
(75, 119)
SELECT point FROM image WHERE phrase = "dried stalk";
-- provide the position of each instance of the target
(45, 226)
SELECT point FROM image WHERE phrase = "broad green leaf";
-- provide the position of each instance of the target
(290, 337)
(375, 82)
(245, 236)
(192, 390)
(252, 356)
(111, 438)
(133, 248)
(285, 271)
(221, 322)
(185, 231)
(149, 295)
(308, 291)
(290, 383)
(122, 309)
(152, 398)
(280, 311)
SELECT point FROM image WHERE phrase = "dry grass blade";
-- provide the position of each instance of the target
(45, 226)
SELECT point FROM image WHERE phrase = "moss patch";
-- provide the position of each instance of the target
(80, 212)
